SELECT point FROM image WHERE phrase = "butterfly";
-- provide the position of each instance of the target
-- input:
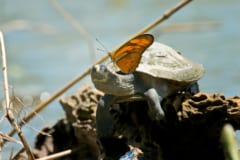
(128, 56)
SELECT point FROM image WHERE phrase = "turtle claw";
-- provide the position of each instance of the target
(154, 103)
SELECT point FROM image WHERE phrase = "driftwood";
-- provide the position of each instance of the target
(191, 130)
(75, 132)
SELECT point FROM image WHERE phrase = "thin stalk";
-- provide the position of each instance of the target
(9, 113)
(57, 155)
(18, 154)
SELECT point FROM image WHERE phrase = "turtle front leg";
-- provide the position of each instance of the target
(104, 120)
(113, 147)
(154, 103)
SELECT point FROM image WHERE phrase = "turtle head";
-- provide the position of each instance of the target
(101, 74)
(110, 82)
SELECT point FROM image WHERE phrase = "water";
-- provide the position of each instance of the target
(44, 52)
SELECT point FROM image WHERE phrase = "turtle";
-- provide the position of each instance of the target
(162, 72)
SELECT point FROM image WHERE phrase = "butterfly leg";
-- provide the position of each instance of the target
(154, 103)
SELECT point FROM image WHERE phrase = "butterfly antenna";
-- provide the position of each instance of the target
(104, 48)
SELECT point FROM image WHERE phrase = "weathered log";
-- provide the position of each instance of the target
(75, 132)
(191, 129)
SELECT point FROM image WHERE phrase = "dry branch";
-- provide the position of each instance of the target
(9, 114)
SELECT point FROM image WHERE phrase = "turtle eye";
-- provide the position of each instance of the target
(102, 68)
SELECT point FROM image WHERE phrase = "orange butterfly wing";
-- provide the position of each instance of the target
(128, 56)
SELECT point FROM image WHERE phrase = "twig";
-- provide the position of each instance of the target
(75, 25)
(57, 155)
(18, 154)
(8, 138)
(36, 130)
(8, 113)
(41, 106)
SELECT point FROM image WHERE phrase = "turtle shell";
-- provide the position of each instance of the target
(161, 61)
